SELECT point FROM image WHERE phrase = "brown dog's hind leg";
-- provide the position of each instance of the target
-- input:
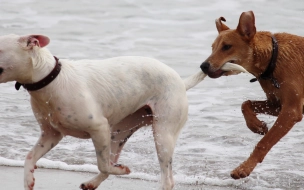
(251, 108)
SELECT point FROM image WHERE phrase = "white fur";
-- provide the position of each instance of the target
(101, 100)
(193, 80)
(106, 100)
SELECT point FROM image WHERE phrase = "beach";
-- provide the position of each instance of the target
(50, 179)
(179, 33)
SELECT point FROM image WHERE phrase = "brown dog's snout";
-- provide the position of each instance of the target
(205, 67)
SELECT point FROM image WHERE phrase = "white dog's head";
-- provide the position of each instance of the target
(16, 56)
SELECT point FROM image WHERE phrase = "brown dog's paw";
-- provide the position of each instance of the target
(259, 127)
(239, 173)
(243, 170)
(263, 129)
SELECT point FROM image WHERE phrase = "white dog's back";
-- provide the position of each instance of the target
(115, 82)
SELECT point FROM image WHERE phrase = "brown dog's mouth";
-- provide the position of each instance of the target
(219, 72)
(216, 74)
(225, 68)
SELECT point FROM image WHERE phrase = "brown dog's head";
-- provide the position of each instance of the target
(231, 46)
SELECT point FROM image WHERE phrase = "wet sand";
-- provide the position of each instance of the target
(50, 179)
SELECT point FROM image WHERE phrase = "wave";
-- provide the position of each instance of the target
(179, 178)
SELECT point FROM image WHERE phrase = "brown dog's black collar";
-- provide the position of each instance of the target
(45, 81)
(268, 73)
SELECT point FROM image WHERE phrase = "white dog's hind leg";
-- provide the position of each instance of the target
(123, 130)
(48, 139)
(120, 133)
(101, 140)
(170, 115)
(165, 144)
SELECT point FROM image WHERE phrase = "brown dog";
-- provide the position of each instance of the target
(277, 62)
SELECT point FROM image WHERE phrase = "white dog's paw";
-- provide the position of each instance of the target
(29, 181)
(87, 186)
(93, 183)
(119, 169)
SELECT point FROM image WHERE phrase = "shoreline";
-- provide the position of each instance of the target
(50, 179)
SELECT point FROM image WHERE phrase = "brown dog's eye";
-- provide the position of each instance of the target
(226, 47)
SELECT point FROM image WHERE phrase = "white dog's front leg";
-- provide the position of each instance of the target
(48, 139)
(102, 143)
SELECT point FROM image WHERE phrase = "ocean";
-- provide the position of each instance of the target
(179, 33)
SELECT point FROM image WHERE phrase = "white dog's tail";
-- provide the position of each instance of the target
(193, 80)
(198, 77)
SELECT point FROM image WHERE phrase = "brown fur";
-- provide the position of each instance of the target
(253, 51)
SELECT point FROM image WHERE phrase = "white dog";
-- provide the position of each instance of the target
(103, 100)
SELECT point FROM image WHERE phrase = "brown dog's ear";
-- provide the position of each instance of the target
(219, 25)
(246, 25)
(34, 40)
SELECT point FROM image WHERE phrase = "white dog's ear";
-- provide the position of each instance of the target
(34, 40)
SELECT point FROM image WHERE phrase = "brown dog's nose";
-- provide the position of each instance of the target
(1, 70)
(205, 67)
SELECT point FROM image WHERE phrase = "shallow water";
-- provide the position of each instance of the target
(179, 33)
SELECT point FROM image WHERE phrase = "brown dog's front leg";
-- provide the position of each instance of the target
(290, 114)
(251, 108)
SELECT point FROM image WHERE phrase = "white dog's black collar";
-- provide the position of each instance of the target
(45, 81)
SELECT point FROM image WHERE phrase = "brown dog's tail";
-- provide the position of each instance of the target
(193, 80)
